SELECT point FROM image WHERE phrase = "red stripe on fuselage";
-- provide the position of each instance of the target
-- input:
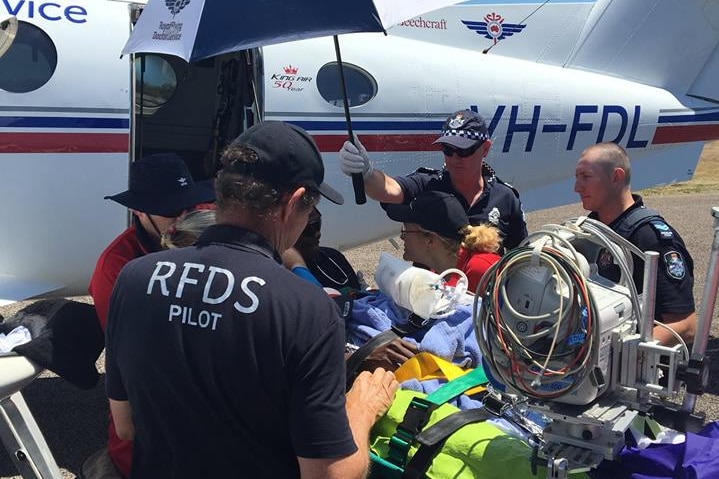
(379, 142)
(685, 134)
(64, 142)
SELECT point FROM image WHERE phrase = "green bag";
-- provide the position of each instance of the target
(452, 444)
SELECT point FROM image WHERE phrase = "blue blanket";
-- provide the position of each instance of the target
(451, 336)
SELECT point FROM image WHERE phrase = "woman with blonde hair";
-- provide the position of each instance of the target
(437, 234)
(187, 229)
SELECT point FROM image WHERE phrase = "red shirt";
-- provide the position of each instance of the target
(121, 251)
(474, 265)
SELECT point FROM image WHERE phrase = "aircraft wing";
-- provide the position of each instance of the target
(663, 43)
(17, 289)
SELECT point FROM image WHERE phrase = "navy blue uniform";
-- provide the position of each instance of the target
(675, 272)
(498, 205)
(233, 365)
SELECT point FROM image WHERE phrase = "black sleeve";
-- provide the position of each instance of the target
(415, 183)
(114, 387)
(517, 224)
(318, 419)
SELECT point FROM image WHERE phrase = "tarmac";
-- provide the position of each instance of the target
(74, 421)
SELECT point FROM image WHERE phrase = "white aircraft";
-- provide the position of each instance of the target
(550, 77)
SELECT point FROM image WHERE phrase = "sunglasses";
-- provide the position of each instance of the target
(312, 228)
(403, 233)
(461, 152)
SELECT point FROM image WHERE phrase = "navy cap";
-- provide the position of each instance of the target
(286, 156)
(464, 129)
(435, 211)
(162, 185)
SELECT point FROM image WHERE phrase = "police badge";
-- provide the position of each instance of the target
(456, 122)
(675, 264)
(493, 216)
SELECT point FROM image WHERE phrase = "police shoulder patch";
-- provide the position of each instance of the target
(663, 231)
(675, 264)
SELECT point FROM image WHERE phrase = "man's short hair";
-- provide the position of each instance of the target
(613, 156)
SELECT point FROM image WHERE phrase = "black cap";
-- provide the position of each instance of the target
(286, 156)
(162, 185)
(464, 129)
(435, 211)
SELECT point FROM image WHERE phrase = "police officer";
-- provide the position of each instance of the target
(603, 176)
(465, 143)
(222, 363)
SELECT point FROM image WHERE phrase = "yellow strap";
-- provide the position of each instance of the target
(425, 366)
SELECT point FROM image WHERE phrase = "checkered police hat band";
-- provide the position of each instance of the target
(472, 135)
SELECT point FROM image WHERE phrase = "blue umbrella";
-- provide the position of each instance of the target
(197, 29)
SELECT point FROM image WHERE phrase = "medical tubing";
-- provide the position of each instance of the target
(498, 340)
(620, 249)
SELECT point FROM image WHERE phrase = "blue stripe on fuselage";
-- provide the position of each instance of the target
(62, 122)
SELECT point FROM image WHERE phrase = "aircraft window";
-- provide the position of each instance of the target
(29, 62)
(160, 83)
(361, 86)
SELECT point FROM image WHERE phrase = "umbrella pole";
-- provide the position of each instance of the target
(141, 118)
(357, 180)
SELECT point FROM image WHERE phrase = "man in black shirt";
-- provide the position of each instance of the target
(603, 176)
(465, 143)
(220, 362)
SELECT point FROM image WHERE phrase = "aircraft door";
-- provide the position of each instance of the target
(194, 109)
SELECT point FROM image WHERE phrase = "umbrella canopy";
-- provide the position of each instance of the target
(197, 29)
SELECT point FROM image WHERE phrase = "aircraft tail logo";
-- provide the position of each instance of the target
(493, 27)
(175, 6)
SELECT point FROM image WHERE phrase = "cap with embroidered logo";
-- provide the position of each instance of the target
(464, 129)
(161, 184)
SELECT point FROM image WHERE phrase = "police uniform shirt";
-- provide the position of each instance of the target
(675, 271)
(233, 365)
(498, 204)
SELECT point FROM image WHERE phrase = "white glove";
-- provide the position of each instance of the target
(354, 159)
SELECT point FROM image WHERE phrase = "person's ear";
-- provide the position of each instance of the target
(618, 176)
(137, 213)
(487, 145)
(293, 204)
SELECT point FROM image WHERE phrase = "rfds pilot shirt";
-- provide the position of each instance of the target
(233, 366)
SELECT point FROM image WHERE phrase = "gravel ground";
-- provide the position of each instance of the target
(74, 421)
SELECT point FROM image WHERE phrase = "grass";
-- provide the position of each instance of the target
(706, 178)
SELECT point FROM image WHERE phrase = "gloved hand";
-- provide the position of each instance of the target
(354, 159)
